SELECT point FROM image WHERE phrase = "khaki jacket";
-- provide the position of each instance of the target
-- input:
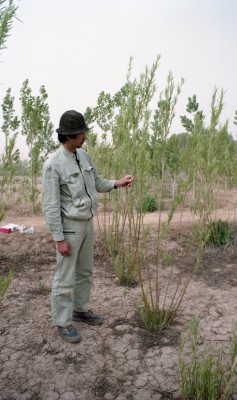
(69, 189)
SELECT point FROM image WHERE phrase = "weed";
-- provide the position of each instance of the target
(233, 345)
(205, 376)
(149, 204)
(42, 288)
(3, 209)
(167, 257)
(218, 233)
(125, 271)
(5, 282)
(155, 319)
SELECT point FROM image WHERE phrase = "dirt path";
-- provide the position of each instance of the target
(118, 360)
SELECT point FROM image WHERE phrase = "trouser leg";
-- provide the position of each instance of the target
(83, 273)
(64, 276)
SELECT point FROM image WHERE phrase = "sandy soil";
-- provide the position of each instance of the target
(120, 359)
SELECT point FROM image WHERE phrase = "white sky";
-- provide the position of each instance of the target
(79, 48)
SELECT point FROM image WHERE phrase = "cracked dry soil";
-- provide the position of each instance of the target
(120, 359)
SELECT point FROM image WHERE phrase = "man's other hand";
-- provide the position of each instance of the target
(64, 248)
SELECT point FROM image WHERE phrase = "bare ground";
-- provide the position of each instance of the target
(120, 359)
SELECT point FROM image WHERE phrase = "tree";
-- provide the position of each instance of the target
(161, 125)
(7, 14)
(22, 168)
(235, 118)
(37, 129)
(10, 157)
(192, 108)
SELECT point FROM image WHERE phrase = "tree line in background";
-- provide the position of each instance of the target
(125, 122)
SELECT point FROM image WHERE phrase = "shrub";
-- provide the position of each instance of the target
(156, 319)
(149, 204)
(5, 282)
(205, 376)
(218, 233)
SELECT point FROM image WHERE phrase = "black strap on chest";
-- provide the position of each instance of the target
(78, 161)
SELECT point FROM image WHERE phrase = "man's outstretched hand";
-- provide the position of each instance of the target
(126, 181)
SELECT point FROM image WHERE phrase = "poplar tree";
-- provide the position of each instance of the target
(38, 130)
(7, 14)
(11, 156)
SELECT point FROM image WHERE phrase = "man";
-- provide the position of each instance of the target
(69, 198)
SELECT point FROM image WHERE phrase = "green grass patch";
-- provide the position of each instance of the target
(218, 233)
(204, 374)
(5, 282)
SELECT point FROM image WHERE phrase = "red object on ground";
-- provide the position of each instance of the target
(5, 230)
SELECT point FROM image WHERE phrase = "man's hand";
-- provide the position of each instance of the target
(64, 248)
(126, 181)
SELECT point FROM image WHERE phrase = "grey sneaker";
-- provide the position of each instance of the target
(87, 317)
(69, 334)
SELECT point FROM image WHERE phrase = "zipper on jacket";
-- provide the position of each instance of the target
(79, 165)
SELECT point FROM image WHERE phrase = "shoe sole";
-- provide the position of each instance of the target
(87, 322)
(77, 340)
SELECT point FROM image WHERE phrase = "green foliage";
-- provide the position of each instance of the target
(123, 264)
(179, 170)
(38, 130)
(192, 105)
(11, 156)
(149, 204)
(233, 345)
(22, 168)
(3, 209)
(143, 148)
(42, 288)
(125, 118)
(125, 272)
(154, 318)
(208, 157)
(218, 233)
(167, 258)
(159, 311)
(162, 121)
(235, 118)
(191, 108)
(7, 14)
(205, 376)
(5, 282)
(27, 193)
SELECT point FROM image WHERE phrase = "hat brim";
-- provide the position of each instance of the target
(73, 131)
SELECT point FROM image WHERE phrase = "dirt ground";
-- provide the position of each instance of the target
(120, 359)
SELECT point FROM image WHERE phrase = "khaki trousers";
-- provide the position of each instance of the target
(72, 279)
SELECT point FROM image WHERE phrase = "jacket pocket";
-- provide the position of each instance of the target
(89, 177)
(75, 185)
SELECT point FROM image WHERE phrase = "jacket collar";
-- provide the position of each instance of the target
(68, 153)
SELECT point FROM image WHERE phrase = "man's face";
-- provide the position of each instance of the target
(79, 140)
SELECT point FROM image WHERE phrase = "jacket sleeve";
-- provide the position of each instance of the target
(51, 201)
(101, 185)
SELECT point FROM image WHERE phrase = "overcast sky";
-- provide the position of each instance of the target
(79, 48)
